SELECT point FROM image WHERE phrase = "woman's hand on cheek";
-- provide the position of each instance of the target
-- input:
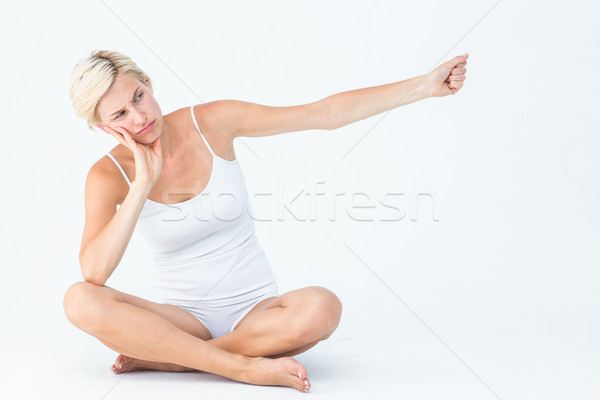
(121, 135)
(147, 157)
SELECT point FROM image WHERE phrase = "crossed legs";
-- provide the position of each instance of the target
(163, 336)
(286, 325)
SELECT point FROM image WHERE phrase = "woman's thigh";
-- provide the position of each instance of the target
(177, 316)
(310, 299)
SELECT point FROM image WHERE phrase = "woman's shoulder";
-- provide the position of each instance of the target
(120, 153)
(211, 120)
(104, 175)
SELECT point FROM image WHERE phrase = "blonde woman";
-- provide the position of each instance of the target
(176, 178)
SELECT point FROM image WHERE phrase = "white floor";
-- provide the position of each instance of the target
(397, 358)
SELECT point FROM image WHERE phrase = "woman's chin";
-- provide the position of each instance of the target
(148, 138)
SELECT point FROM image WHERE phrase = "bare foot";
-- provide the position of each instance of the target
(127, 364)
(283, 371)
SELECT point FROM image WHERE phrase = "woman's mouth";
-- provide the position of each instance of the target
(147, 128)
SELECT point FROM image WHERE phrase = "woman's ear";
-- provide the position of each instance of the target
(149, 84)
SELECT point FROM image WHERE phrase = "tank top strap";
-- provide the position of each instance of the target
(120, 168)
(203, 138)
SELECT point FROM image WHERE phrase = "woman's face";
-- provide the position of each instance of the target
(128, 104)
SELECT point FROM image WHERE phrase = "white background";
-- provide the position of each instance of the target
(503, 287)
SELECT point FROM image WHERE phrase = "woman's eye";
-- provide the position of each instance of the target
(139, 96)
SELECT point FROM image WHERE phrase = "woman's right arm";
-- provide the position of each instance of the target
(107, 232)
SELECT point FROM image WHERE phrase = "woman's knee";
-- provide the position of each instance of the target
(82, 303)
(322, 311)
(330, 310)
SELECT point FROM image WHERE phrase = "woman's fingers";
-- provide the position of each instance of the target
(449, 77)
(455, 86)
(128, 139)
(460, 61)
(458, 71)
(156, 147)
(122, 136)
(123, 132)
(115, 134)
(110, 130)
(119, 137)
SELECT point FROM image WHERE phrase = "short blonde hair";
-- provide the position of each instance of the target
(91, 78)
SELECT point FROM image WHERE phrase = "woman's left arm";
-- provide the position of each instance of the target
(239, 118)
(355, 105)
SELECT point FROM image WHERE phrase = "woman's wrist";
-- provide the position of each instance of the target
(423, 87)
(140, 187)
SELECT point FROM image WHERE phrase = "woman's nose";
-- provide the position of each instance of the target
(139, 119)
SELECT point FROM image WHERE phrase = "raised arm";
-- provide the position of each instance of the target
(355, 105)
(240, 118)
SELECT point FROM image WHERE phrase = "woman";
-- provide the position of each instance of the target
(219, 307)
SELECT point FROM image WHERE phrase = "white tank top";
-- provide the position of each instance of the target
(205, 248)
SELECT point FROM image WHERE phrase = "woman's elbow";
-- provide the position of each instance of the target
(93, 279)
(91, 273)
